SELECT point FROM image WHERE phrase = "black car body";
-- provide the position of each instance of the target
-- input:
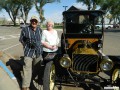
(81, 58)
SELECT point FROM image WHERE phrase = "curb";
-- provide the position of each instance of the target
(7, 70)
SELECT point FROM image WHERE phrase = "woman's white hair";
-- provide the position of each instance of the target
(50, 21)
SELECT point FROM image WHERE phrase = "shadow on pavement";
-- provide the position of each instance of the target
(16, 66)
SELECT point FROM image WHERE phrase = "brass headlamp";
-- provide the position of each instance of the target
(65, 61)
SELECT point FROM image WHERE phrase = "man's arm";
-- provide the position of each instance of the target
(22, 35)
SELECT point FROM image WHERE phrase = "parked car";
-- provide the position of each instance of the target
(116, 25)
(98, 26)
(22, 25)
(106, 26)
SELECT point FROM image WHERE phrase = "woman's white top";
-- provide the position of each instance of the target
(51, 39)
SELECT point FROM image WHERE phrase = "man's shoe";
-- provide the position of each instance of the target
(25, 88)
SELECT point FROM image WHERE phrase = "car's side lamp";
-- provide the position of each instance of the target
(106, 63)
(65, 61)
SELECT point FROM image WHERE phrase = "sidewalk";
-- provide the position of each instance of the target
(6, 83)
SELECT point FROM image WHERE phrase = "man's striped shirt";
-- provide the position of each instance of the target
(31, 41)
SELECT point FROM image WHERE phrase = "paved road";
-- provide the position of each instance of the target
(9, 37)
(9, 43)
(112, 42)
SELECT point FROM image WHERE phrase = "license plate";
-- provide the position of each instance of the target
(111, 88)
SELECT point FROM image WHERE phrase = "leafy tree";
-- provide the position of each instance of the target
(112, 7)
(26, 6)
(0, 8)
(92, 4)
(39, 4)
(86, 2)
(11, 8)
(115, 10)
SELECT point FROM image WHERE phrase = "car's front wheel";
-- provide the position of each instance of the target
(116, 77)
(49, 76)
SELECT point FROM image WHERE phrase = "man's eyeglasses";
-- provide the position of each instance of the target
(34, 21)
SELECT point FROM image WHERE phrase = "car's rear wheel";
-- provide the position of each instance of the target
(97, 27)
(116, 77)
(108, 27)
(49, 76)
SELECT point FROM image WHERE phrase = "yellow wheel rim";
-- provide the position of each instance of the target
(115, 74)
(52, 77)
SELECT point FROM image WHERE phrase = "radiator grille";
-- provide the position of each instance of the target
(85, 62)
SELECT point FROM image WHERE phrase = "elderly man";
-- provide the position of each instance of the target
(31, 40)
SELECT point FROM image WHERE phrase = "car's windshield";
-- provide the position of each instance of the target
(82, 23)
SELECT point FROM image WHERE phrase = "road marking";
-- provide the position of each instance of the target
(9, 37)
(11, 47)
(113, 35)
(7, 70)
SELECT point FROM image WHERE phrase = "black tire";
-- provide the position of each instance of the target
(97, 27)
(49, 76)
(108, 27)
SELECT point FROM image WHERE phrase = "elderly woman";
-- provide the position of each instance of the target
(50, 39)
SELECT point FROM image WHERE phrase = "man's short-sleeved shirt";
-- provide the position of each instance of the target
(31, 41)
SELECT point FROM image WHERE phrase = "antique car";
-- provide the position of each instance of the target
(80, 59)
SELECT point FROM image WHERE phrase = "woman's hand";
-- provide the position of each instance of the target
(53, 47)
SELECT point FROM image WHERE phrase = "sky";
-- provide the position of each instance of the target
(52, 11)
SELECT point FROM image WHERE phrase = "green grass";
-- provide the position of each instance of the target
(55, 27)
(58, 26)
(43, 27)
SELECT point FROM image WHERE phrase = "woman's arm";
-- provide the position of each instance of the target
(45, 44)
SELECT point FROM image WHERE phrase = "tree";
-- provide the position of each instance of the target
(26, 6)
(87, 2)
(92, 4)
(39, 4)
(0, 8)
(113, 8)
(11, 8)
